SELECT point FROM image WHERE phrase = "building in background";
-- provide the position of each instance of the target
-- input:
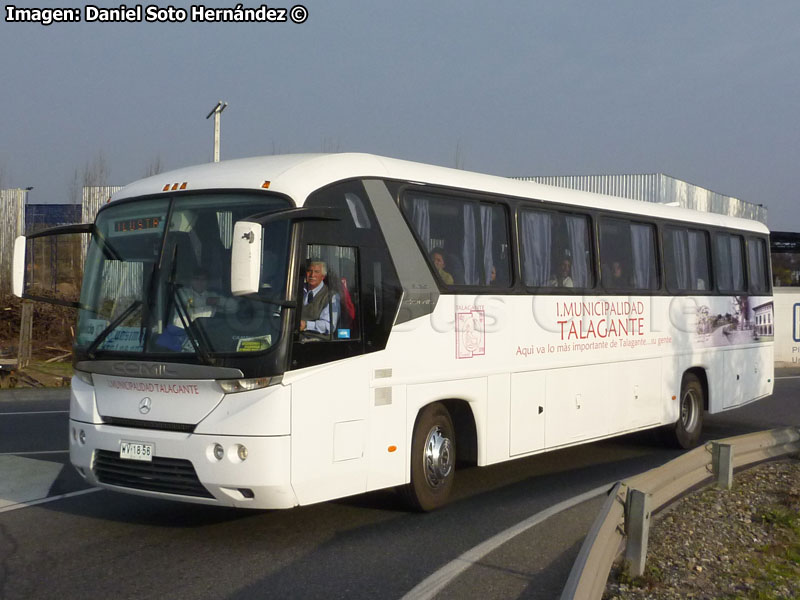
(660, 188)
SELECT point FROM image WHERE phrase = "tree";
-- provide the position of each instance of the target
(458, 159)
(155, 167)
(330, 145)
(95, 174)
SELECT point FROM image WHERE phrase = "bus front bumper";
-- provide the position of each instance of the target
(240, 471)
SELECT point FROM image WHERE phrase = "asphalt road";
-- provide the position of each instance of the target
(121, 546)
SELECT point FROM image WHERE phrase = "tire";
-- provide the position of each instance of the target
(433, 460)
(685, 433)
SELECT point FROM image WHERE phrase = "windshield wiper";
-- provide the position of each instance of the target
(155, 274)
(111, 327)
(189, 326)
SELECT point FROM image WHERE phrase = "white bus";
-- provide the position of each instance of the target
(465, 318)
(785, 251)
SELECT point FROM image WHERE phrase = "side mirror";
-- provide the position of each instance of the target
(21, 269)
(18, 268)
(246, 243)
(245, 257)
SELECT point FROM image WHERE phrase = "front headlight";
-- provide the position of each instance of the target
(232, 386)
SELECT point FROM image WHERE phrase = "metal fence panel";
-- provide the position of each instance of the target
(659, 188)
(18, 219)
(93, 198)
(12, 224)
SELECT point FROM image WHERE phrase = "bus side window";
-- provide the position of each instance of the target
(686, 260)
(556, 249)
(758, 268)
(461, 237)
(628, 255)
(729, 263)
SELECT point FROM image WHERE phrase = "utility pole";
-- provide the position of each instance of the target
(217, 111)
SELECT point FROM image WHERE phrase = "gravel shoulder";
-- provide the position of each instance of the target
(713, 543)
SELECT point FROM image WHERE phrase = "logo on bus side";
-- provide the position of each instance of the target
(470, 333)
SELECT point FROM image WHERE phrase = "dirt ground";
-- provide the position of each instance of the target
(53, 328)
(742, 543)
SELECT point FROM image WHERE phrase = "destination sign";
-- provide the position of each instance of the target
(138, 224)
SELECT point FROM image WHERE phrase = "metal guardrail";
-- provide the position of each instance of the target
(587, 580)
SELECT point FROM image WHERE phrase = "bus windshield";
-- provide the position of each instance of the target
(157, 279)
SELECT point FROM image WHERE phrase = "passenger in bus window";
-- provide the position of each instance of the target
(320, 311)
(437, 256)
(564, 276)
(616, 277)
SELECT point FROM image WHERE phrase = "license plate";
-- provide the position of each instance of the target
(136, 451)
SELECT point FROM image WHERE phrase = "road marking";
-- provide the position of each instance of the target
(788, 377)
(50, 499)
(436, 582)
(22, 453)
(23, 479)
(35, 412)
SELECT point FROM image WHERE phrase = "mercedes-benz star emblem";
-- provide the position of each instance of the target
(144, 405)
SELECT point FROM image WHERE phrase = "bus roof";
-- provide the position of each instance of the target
(297, 175)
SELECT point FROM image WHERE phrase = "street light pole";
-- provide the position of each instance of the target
(21, 225)
(217, 111)
(26, 315)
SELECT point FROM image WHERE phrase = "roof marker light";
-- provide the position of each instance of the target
(175, 187)
(183, 185)
(265, 185)
(165, 188)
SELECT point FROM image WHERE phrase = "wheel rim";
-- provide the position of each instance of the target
(438, 458)
(689, 410)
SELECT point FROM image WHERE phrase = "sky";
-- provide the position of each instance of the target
(705, 91)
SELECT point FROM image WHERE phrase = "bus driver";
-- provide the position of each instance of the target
(318, 301)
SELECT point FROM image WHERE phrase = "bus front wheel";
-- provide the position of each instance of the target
(685, 433)
(433, 459)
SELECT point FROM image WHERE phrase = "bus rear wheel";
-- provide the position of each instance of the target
(433, 459)
(685, 433)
